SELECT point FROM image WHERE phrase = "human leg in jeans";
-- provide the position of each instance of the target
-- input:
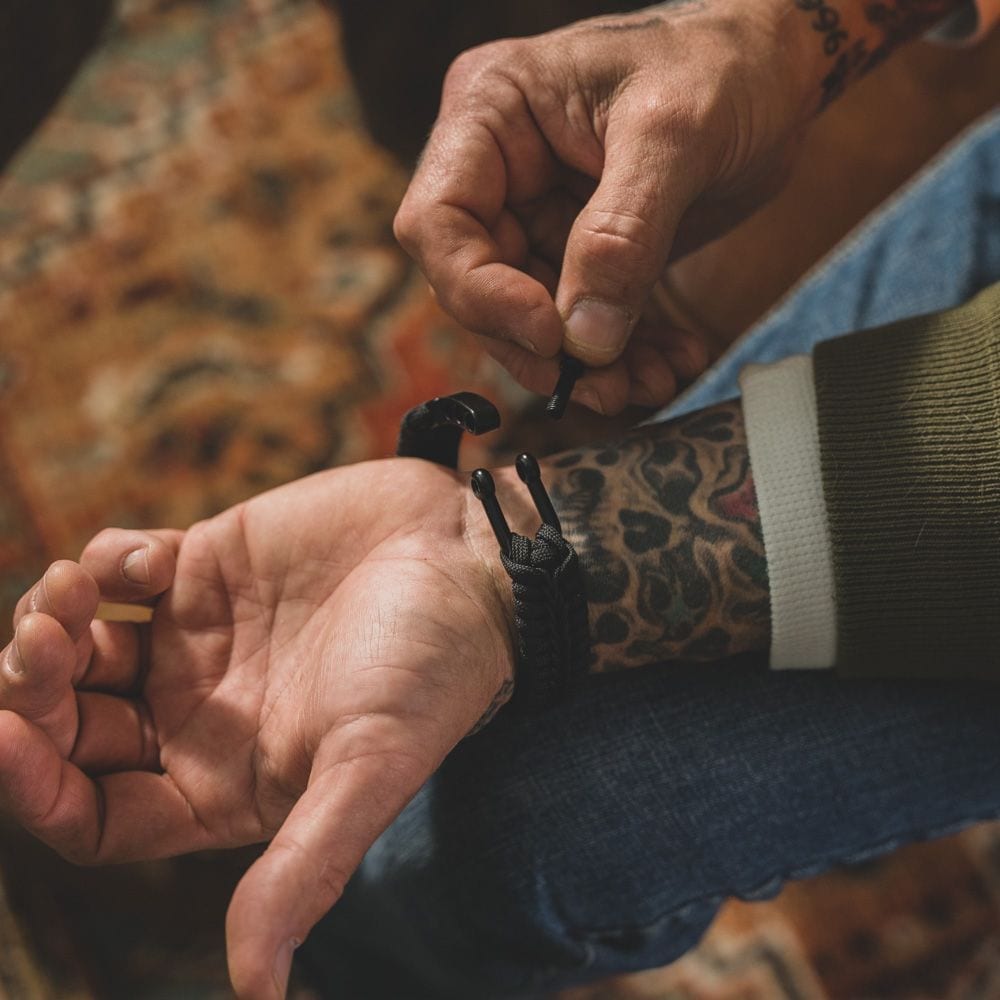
(602, 836)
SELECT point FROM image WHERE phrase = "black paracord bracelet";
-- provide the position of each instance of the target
(550, 605)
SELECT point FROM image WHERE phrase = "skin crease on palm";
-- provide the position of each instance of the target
(322, 649)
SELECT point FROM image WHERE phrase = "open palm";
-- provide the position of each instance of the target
(313, 656)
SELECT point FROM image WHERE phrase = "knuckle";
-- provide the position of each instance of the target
(625, 226)
(622, 243)
(403, 220)
(659, 114)
(653, 117)
(404, 225)
(474, 68)
(103, 537)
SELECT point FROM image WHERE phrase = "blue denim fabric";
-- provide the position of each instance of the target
(602, 836)
(932, 246)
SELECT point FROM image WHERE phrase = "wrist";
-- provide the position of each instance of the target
(833, 43)
(485, 553)
(665, 526)
(549, 606)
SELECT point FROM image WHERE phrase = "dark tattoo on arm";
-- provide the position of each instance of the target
(897, 21)
(503, 695)
(665, 524)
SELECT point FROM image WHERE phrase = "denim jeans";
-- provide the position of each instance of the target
(603, 835)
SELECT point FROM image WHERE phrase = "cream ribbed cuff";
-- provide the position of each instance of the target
(779, 408)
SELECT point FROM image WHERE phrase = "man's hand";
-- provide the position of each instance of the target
(565, 170)
(315, 653)
(313, 656)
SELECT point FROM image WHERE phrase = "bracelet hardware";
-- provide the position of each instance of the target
(550, 604)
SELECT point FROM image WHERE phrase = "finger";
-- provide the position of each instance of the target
(131, 565)
(534, 373)
(543, 273)
(603, 390)
(621, 240)
(548, 223)
(67, 593)
(446, 222)
(511, 239)
(114, 664)
(39, 663)
(653, 382)
(304, 870)
(120, 817)
(115, 734)
(486, 295)
(687, 354)
(686, 350)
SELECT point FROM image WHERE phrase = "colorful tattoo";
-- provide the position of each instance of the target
(665, 524)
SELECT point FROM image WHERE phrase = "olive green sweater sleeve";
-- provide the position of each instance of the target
(909, 429)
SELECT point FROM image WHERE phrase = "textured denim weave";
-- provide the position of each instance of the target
(932, 246)
(602, 836)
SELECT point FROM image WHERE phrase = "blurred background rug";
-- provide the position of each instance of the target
(200, 298)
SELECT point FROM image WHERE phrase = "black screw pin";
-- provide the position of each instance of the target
(531, 476)
(570, 370)
(486, 493)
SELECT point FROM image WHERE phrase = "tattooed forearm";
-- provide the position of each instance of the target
(883, 26)
(665, 524)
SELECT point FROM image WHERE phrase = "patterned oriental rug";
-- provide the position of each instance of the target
(200, 298)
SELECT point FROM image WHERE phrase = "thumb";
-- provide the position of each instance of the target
(619, 245)
(303, 872)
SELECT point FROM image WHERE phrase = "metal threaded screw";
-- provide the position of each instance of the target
(570, 370)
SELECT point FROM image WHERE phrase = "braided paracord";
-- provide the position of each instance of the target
(550, 617)
(550, 604)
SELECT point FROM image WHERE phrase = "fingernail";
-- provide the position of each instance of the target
(14, 662)
(525, 343)
(585, 395)
(694, 355)
(597, 328)
(642, 395)
(135, 566)
(283, 964)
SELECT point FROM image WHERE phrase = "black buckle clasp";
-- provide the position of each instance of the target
(433, 430)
